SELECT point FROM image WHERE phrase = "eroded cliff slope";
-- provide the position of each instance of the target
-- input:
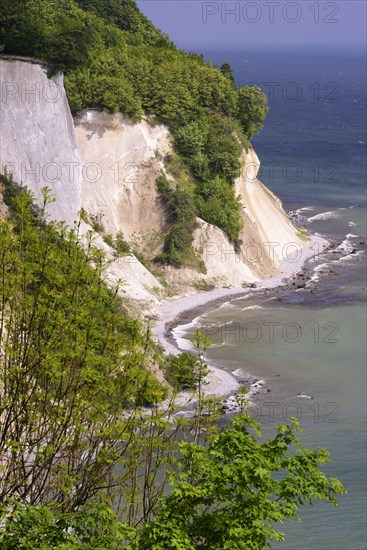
(108, 166)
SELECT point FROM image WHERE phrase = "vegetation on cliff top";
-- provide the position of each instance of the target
(115, 59)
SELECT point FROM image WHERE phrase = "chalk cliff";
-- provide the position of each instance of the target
(37, 136)
(107, 166)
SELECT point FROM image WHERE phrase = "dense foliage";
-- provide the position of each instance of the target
(252, 106)
(115, 59)
(83, 463)
(58, 32)
(89, 452)
(181, 371)
(71, 361)
(180, 211)
(228, 495)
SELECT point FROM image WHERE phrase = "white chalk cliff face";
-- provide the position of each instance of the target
(120, 183)
(108, 166)
(37, 136)
(268, 237)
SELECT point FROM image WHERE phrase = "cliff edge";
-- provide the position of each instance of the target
(107, 166)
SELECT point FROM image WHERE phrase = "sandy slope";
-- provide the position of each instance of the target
(268, 235)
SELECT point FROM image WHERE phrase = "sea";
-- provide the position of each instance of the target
(307, 346)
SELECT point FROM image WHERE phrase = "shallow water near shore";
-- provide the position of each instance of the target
(308, 344)
(308, 347)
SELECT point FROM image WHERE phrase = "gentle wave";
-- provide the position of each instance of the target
(181, 333)
(350, 256)
(324, 216)
(227, 305)
(346, 245)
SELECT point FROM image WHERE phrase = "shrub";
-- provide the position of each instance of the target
(252, 109)
(181, 371)
(120, 244)
(108, 239)
(181, 213)
(96, 222)
(191, 139)
(218, 205)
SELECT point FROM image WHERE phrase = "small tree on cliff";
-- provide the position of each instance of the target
(252, 109)
(226, 69)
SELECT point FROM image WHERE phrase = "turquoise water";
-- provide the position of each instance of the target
(324, 359)
(326, 364)
(317, 347)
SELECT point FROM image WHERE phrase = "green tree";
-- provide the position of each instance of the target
(181, 371)
(58, 32)
(37, 527)
(180, 207)
(231, 494)
(127, 16)
(71, 362)
(191, 139)
(226, 69)
(223, 149)
(218, 205)
(252, 109)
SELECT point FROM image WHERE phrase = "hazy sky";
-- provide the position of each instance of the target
(210, 24)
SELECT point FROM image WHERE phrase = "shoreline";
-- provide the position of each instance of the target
(183, 310)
